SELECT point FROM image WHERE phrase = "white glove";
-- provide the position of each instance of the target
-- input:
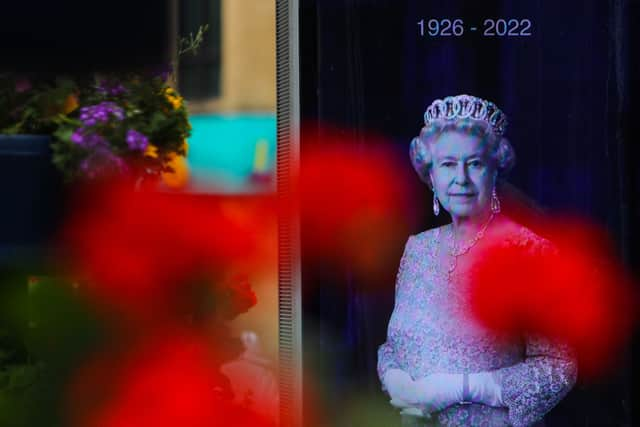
(484, 389)
(435, 392)
(397, 382)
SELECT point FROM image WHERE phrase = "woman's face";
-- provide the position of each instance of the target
(462, 174)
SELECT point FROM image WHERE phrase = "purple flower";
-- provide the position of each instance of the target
(77, 136)
(102, 162)
(86, 139)
(163, 72)
(100, 113)
(110, 88)
(136, 140)
(22, 85)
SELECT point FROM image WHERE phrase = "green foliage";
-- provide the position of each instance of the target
(16, 378)
(192, 42)
(30, 104)
(35, 104)
(149, 106)
(46, 331)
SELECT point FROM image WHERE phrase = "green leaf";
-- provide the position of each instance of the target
(63, 133)
(22, 376)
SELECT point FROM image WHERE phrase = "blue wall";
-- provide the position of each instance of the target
(222, 152)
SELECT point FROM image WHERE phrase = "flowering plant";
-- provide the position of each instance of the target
(31, 104)
(132, 125)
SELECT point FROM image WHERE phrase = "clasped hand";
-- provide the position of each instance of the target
(432, 393)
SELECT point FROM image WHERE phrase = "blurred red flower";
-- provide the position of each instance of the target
(140, 250)
(239, 295)
(353, 199)
(577, 293)
(164, 381)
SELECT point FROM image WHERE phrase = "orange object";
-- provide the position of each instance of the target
(151, 151)
(179, 178)
(70, 104)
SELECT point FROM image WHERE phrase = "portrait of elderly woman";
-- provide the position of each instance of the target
(438, 366)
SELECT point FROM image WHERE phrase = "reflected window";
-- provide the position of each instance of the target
(199, 75)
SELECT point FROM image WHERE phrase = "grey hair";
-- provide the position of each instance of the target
(500, 148)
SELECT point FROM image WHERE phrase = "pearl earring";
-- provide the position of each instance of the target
(436, 205)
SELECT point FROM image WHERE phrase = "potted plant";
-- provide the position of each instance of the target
(94, 125)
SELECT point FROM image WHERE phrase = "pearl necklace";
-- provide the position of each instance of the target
(455, 252)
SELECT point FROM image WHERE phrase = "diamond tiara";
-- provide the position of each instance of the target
(467, 106)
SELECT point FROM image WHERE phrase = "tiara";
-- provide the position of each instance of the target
(467, 106)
